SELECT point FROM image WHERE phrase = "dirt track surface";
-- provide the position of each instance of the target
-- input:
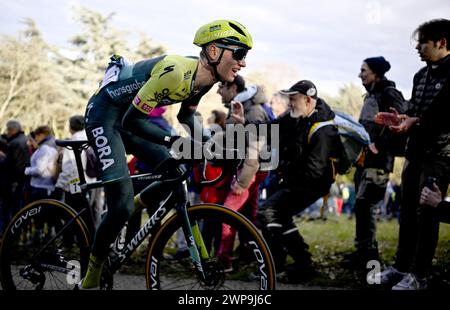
(134, 282)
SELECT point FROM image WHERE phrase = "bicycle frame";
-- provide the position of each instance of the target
(180, 203)
(168, 211)
(177, 199)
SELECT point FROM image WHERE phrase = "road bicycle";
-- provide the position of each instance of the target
(47, 244)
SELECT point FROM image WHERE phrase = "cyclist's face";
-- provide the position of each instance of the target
(229, 67)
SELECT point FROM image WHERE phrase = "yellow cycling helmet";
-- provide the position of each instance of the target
(225, 31)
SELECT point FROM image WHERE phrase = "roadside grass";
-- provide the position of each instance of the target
(329, 240)
(332, 238)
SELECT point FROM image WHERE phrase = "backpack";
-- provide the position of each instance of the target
(353, 136)
(92, 165)
(269, 112)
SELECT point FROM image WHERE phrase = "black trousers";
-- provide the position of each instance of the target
(419, 224)
(370, 185)
(279, 228)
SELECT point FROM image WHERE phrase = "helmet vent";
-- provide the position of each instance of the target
(237, 28)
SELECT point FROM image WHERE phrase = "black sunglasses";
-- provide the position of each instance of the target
(238, 53)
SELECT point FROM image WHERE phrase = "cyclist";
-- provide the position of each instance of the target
(115, 118)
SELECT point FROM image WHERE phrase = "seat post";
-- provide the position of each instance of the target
(77, 152)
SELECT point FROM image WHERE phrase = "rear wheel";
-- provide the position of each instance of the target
(44, 247)
(251, 268)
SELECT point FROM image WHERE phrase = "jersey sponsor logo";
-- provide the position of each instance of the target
(215, 28)
(219, 35)
(103, 149)
(146, 108)
(187, 75)
(125, 89)
(167, 70)
(137, 100)
(142, 106)
(160, 95)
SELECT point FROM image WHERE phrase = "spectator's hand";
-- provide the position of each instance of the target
(236, 189)
(237, 112)
(431, 197)
(406, 123)
(373, 148)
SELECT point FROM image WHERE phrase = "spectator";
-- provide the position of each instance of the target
(3, 185)
(392, 199)
(349, 197)
(279, 104)
(17, 158)
(372, 177)
(43, 166)
(69, 172)
(242, 193)
(427, 155)
(216, 120)
(252, 99)
(307, 175)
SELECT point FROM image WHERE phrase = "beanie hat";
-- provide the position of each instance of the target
(378, 65)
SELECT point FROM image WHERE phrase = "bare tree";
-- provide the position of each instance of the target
(41, 85)
(31, 86)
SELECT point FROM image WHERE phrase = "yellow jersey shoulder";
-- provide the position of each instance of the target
(170, 82)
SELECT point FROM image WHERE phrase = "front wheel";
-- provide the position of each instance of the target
(250, 265)
(45, 246)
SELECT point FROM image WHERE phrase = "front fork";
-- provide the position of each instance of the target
(194, 239)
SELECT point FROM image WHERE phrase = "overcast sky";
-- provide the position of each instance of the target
(324, 41)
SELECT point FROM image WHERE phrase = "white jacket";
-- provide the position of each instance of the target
(69, 166)
(42, 167)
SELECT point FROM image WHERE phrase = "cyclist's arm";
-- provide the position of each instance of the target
(161, 83)
(136, 122)
(186, 116)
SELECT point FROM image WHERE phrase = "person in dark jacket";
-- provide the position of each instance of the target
(371, 179)
(17, 158)
(307, 173)
(251, 97)
(427, 156)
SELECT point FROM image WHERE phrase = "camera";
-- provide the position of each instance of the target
(429, 182)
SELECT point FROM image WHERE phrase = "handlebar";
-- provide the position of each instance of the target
(186, 165)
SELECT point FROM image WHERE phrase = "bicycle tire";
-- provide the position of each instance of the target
(60, 264)
(164, 271)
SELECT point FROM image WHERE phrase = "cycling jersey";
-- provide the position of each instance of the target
(154, 82)
(145, 85)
